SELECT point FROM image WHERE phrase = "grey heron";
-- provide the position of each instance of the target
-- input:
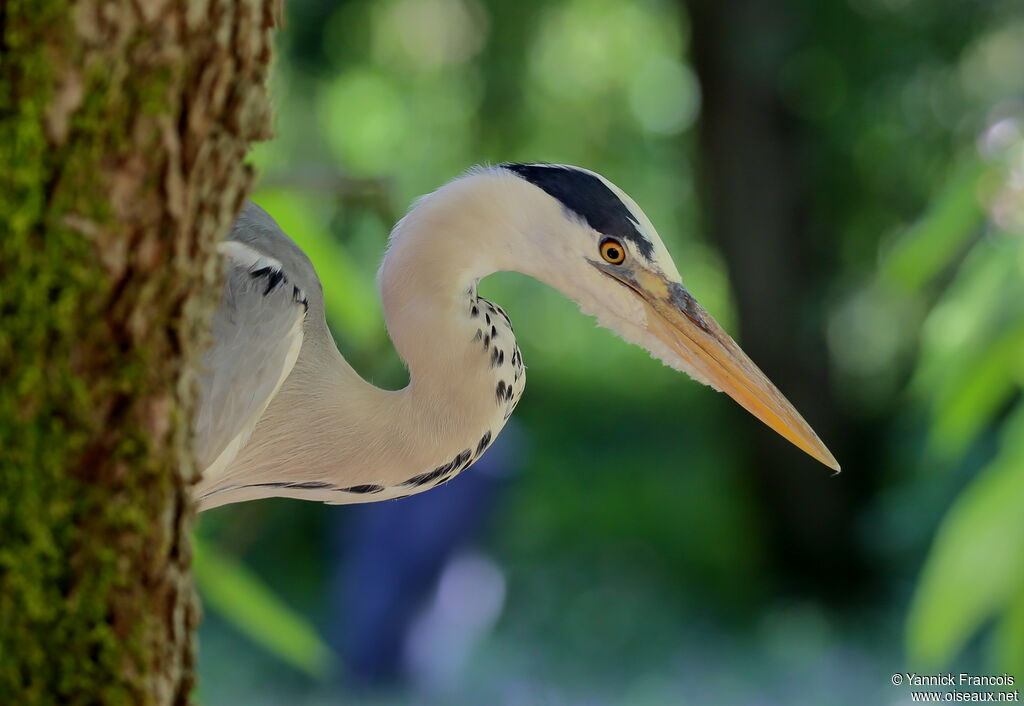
(283, 414)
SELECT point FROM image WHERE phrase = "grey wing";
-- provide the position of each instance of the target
(257, 336)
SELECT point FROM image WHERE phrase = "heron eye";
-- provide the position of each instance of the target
(612, 251)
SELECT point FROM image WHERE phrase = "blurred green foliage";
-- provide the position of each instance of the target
(235, 592)
(634, 531)
(969, 374)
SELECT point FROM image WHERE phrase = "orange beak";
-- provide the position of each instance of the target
(678, 321)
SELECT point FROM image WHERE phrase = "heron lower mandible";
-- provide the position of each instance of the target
(283, 414)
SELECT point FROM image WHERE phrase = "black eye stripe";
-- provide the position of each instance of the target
(588, 198)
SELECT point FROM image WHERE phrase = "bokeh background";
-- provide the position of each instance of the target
(841, 183)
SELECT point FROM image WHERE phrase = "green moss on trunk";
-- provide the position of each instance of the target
(122, 132)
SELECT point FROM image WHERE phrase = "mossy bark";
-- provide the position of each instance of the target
(123, 129)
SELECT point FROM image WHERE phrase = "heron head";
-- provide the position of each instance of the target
(607, 256)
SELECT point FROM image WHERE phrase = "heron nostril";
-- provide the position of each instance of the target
(684, 301)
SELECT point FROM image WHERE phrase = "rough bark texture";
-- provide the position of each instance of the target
(758, 193)
(123, 128)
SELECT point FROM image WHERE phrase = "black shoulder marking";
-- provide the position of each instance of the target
(369, 488)
(307, 485)
(274, 277)
(310, 485)
(299, 298)
(589, 198)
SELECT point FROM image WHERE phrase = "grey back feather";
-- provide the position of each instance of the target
(269, 286)
(256, 228)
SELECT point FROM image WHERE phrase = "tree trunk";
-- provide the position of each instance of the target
(757, 196)
(123, 128)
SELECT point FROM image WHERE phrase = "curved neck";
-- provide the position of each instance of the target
(460, 350)
(438, 253)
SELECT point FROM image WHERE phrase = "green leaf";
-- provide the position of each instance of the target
(239, 596)
(986, 293)
(931, 244)
(976, 392)
(977, 561)
(1009, 638)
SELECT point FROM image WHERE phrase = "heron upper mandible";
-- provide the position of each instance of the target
(283, 414)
